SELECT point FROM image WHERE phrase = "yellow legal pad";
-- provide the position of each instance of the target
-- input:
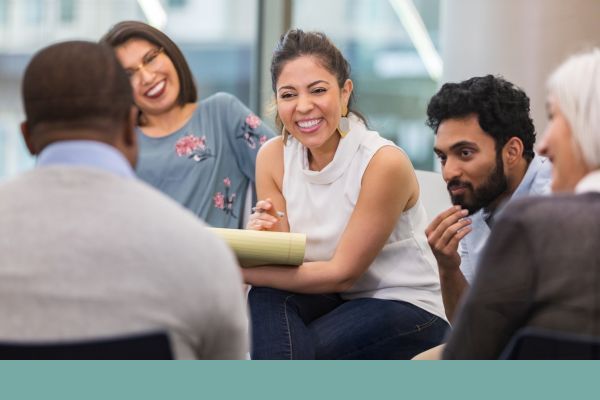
(254, 248)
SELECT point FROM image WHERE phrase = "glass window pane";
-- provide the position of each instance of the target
(67, 10)
(393, 73)
(4, 12)
(176, 3)
(34, 11)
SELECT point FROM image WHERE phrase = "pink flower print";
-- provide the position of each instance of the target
(193, 147)
(262, 140)
(253, 121)
(249, 133)
(219, 200)
(187, 144)
(225, 201)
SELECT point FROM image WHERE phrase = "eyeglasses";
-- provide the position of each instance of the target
(150, 62)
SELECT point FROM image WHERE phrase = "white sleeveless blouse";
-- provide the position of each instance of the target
(319, 203)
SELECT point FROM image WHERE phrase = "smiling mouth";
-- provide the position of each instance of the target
(309, 125)
(156, 90)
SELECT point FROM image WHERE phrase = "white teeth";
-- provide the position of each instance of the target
(156, 89)
(308, 124)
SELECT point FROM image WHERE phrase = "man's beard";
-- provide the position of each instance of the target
(494, 186)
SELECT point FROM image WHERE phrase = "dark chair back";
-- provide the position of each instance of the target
(147, 346)
(539, 344)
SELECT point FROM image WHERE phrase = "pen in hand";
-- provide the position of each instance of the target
(265, 217)
(279, 214)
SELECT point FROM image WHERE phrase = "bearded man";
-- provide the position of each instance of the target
(484, 140)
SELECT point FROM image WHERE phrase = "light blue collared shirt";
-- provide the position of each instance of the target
(536, 181)
(86, 153)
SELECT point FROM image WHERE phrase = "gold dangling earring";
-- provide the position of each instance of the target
(344, 124)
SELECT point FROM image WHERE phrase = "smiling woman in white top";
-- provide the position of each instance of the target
(368, 287)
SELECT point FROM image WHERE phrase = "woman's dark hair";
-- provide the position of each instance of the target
(296, 43)
(501, 108)
(126, 30)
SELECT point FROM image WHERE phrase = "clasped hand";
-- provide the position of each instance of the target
(443, 235)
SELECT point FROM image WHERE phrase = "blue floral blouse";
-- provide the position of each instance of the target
(208, 164)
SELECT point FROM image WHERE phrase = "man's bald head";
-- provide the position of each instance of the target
(73, 88)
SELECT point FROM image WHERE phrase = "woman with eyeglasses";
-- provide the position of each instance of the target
(201, 153)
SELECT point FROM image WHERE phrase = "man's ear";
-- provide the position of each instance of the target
(513, 151)
(27, 138)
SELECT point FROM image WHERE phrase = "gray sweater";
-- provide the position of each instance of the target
(85, 254)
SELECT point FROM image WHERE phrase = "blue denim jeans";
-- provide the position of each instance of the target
(288, 326)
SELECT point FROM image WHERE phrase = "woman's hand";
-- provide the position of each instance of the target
(264, 216)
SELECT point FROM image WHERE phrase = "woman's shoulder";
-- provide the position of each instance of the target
(230, 109)
(391, 158)
(381, 150)
(269, 161)
(272, 147)
(221, 99)
(390, 165)
(385, 160)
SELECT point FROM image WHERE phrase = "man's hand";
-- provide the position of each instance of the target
(444, 233)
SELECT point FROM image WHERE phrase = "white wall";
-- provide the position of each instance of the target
(522, 40)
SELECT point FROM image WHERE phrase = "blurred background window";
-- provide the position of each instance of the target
(393, 48)
(392, 45)
(67, 11)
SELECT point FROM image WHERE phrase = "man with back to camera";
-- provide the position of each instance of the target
(484, 140)
(87, 250)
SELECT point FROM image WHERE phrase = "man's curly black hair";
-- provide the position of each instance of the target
(502, 109)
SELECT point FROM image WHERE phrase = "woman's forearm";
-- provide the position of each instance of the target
(310, 278)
